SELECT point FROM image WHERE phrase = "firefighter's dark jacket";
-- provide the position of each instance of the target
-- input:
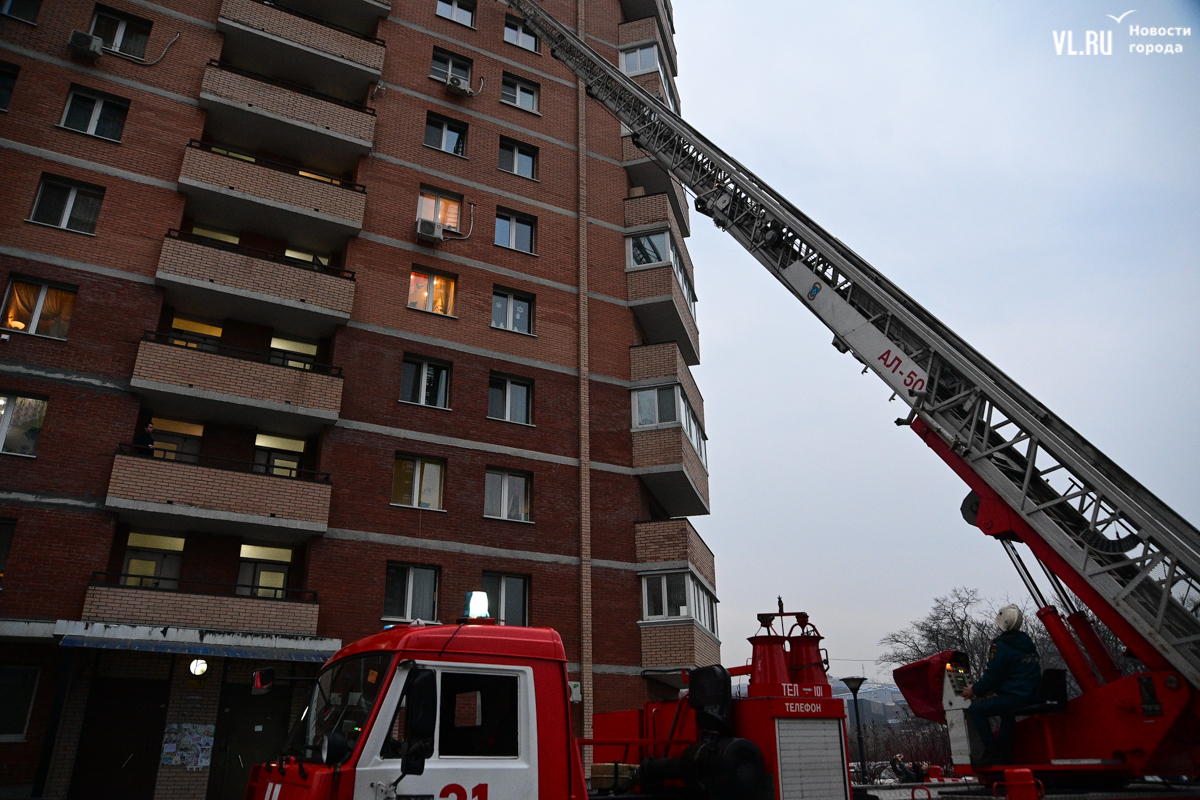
(1012, 668)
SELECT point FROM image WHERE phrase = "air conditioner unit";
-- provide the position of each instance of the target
(429, 231)
(458, 86)
(84, 45)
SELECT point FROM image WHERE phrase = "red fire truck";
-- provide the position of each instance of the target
(471, 710)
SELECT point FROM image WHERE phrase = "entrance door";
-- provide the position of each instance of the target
(120, 741)
(250, 730)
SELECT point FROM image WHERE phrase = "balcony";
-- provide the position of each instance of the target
(217, 495)
(644, 31)
(210, 278)
(112, 597)
(255, 112)
(678, 643)
(656, 364)
(671, 543)
(290, 44)
(641, 9)
(644, 171)
(358, 16)
(658, 302)
(667, 462)
(237, 190)
(185, 376)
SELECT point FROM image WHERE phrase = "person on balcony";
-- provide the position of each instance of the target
(1009, 682)
(143, 441)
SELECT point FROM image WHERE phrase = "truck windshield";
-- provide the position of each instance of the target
(342, 700)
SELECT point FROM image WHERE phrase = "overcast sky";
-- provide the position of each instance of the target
(1043, 206)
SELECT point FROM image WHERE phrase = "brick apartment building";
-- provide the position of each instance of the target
(409, 317)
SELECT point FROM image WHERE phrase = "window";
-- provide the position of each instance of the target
(506, 495)
(121, 32)
(479, 715)
(678, 595)
(445, 134)
(196, 334)
(8, 81)
(640, 59)
(516, 33)
(417, 482)
(292, 353)
(510, 399)
(666, 404)
(507, 598)
(18, 686)
(425, 383)
(263, 571)
(519, 159)
(98, 114)
(519, 93)
(8, 528)
(215, 233)
(460, 11)
(445, 65)
(659, 248)
(440, 207)
(430, 292)
(515, 230)
(176, 440)
(410, 592)
(26, 10)
(40, 308)
(152, 561)
(277, 455)
(512, 311)
(20, 424)
(63, 203)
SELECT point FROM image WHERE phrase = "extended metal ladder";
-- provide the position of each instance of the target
(1140, 556)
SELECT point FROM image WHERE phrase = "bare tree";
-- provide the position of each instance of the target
(960, 620)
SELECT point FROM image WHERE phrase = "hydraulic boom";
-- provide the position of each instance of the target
(1129, 556)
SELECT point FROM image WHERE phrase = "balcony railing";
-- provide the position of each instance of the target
(312, 175)
(289, 85)
(127, 580)
(262, 255)
(207, 345)
(221, 463)
(320, 21)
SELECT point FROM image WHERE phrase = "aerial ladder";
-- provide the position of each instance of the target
(1095, 531)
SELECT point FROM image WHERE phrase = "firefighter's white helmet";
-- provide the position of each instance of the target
(1009, 618)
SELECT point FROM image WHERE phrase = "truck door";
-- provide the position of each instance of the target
(484, 743)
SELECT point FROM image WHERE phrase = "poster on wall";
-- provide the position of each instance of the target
(187, 745)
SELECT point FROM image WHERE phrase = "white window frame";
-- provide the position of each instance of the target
(452, 61)
(446, 124)
(6, 421)
(696, 596)
(505, 477)
(497, 613)
(517, 25)
(6, 10)
(455, 7)
(75, 189)
(420, 463)
(423, 365)
(639, 69)
(20, 737)
(515, 147)
(674, 258)
(513, 218)
(685, 417)
(430, 276)
(439, 198)
(511, 297)
(518, 85)
(406, 615)
(123, 21)
(508, 403)
(46, 286)
(101, 101)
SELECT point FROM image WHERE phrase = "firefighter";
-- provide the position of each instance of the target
(1009, 682)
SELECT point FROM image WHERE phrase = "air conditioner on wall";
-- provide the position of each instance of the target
(459, 86)
(429, 231)
(84, 45)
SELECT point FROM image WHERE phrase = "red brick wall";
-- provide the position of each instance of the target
(150, 607)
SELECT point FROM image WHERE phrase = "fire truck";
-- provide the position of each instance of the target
(473, 710)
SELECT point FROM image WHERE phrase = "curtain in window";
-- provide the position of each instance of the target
(84, 212)
(25, 425)
(516, 497)
(18, 314)
(418, 290)
(112, 121)
(493, 494)
(431, 485)
(424, 594)
(56, 313)
(443, 293)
